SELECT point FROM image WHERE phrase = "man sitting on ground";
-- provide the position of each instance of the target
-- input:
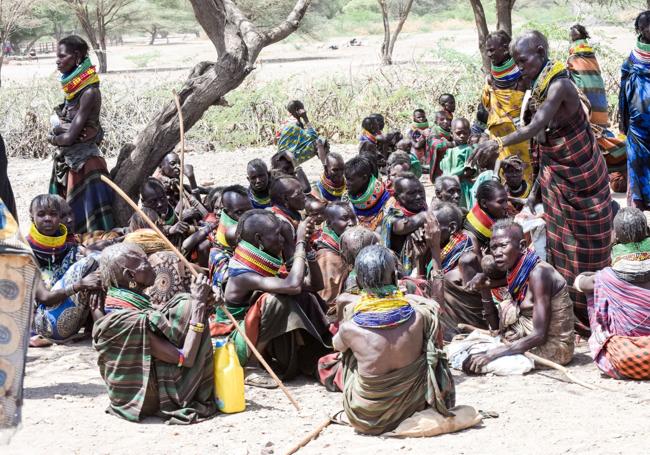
(366, 191)
(393, 364)
(258, 178)
(338, 218)
(619, 301)
(536, 314)
(331, 186)
(403, 219)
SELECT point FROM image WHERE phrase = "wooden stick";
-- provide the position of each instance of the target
(311, 436)
(182, 128)
(537, 359)
(189, 266)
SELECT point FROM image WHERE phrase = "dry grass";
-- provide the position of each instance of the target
(336, 103)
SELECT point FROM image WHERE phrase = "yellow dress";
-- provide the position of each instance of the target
(504, 107)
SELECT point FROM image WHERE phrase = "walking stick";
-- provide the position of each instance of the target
(311, 436)
(537, 359)
(182, 128)
(190, 267)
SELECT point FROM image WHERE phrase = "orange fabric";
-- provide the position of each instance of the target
(630, 356)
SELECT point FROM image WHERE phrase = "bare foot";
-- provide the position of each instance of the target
(38, 341)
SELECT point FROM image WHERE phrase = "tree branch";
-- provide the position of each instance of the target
(289, 25)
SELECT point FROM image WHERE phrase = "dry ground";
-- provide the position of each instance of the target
(65, 398)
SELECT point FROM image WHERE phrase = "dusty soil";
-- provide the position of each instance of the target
(65, 398)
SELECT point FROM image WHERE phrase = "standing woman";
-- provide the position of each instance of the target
(585, 71)
(634, 114)
(78, 164)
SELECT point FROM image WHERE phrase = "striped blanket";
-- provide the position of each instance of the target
(377, 404)
(585, 72)
(577, 205)
(90, 198)
(140, 385)
(619, 315)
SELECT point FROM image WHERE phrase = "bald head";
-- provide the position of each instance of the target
(354, 240)
(532, 40)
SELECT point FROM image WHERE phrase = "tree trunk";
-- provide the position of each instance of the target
(386, 54)
(482, 29)
(404, 14)
(238, 43)
(504, 15)
(153, 33)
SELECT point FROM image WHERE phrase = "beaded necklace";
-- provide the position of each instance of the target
(249, 257)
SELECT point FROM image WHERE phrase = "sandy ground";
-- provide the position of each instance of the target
(65, 398)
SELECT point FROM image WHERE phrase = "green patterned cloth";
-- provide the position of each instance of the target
(177, 394)
(377, 404)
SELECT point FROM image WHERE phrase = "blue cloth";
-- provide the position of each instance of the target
(60, 322)
(634, 109)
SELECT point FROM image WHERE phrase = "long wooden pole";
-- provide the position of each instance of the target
(537, 359)
(182, 128)
(311, 436)
(188, 264)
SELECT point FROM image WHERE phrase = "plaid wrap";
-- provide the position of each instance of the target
(577, 205)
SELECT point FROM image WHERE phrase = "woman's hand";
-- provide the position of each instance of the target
(484, 153)
(91, 282)
(304, 226)
(200, 292)
(179, 228)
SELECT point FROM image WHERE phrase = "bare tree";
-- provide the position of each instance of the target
(238, 42)
(13, 15)
(403, 10)
(96, 18)
(504, 22)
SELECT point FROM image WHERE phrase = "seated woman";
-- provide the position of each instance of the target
(339, 217)
(462, 298)
(534, 312)
(286, 324)
(65, 275)
(619, 301)
(154, 360)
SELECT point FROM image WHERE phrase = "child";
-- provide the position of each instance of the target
(418, 134)
(512, 172)
(448, 103)
(440, 139)
(455, 160)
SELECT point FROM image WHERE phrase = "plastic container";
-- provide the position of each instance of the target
(228, 378)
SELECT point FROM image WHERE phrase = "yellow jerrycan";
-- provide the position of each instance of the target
(228, 377)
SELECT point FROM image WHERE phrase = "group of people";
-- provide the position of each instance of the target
(357, 279)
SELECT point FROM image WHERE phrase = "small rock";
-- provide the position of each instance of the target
(268, 444)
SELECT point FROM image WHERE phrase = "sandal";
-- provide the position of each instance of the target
(39, 341)
(261, 379)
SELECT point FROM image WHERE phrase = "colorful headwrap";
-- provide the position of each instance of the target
(328, 239)
(248, 258)
(544, 78)
(123, 299)
(291, 216)
(381, 311)
(640, 55)
(631, 261)
(259, 202)
(48, 248)
(83, 76)
(329, 190)
(225, 222)
(479, 223)
(518, 277)
(504, 75)
(581, 46)
(372, 200)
